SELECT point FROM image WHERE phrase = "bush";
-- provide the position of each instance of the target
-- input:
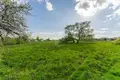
(117, 41)
(63, 40)
(9, 41)
(67, 40)
(14, 41)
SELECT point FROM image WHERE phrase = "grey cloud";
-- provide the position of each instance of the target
(85, 5)
(100, 2)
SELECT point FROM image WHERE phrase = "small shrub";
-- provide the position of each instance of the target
(67, 40)
(63, 40)
(38, 39)
(10, 41)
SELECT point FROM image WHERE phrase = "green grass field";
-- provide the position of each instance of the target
(52, 61)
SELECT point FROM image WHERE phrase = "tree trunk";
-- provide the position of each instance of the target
(73, 40)
(2, 40)
(77, 41)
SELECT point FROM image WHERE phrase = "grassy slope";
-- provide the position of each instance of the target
(50, 61)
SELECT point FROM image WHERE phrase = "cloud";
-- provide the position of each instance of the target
(40, 1)
(115, 3)
(115, 33)
(99, 32)
(115, 15)
(49, 6)
(104, 29)
(91, 7)
(118, 23)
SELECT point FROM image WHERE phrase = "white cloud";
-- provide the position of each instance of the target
(104, 29)
(99, 31)
(115, 15)
(115, 3)
(40, 1)
(49, 6)
(91, 7)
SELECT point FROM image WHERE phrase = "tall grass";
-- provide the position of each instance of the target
(51, 61)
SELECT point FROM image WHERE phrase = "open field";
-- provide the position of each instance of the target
(52, 61)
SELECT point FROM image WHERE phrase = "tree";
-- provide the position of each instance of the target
(83, 31)
(38, 38)
(79, 32)
(48, 39)
(69, 31)
(12, 18)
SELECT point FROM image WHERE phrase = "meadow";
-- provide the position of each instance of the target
(49, 60)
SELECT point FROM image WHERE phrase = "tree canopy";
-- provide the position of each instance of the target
(12, 17)
(79, 32)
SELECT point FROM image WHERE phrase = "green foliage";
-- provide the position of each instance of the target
(48, 39)
(48, 60)
(79, 32)
(38, 38)
(67, 39)
(14, 41)
(10, 41)
(117, 41)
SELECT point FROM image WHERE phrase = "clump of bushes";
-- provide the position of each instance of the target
(15, 40)
(10, 41)
(67, 40)
(117, 41)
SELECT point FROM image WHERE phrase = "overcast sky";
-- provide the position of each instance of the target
(49, 17)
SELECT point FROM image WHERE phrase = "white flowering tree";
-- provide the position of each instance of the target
(12, 17)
